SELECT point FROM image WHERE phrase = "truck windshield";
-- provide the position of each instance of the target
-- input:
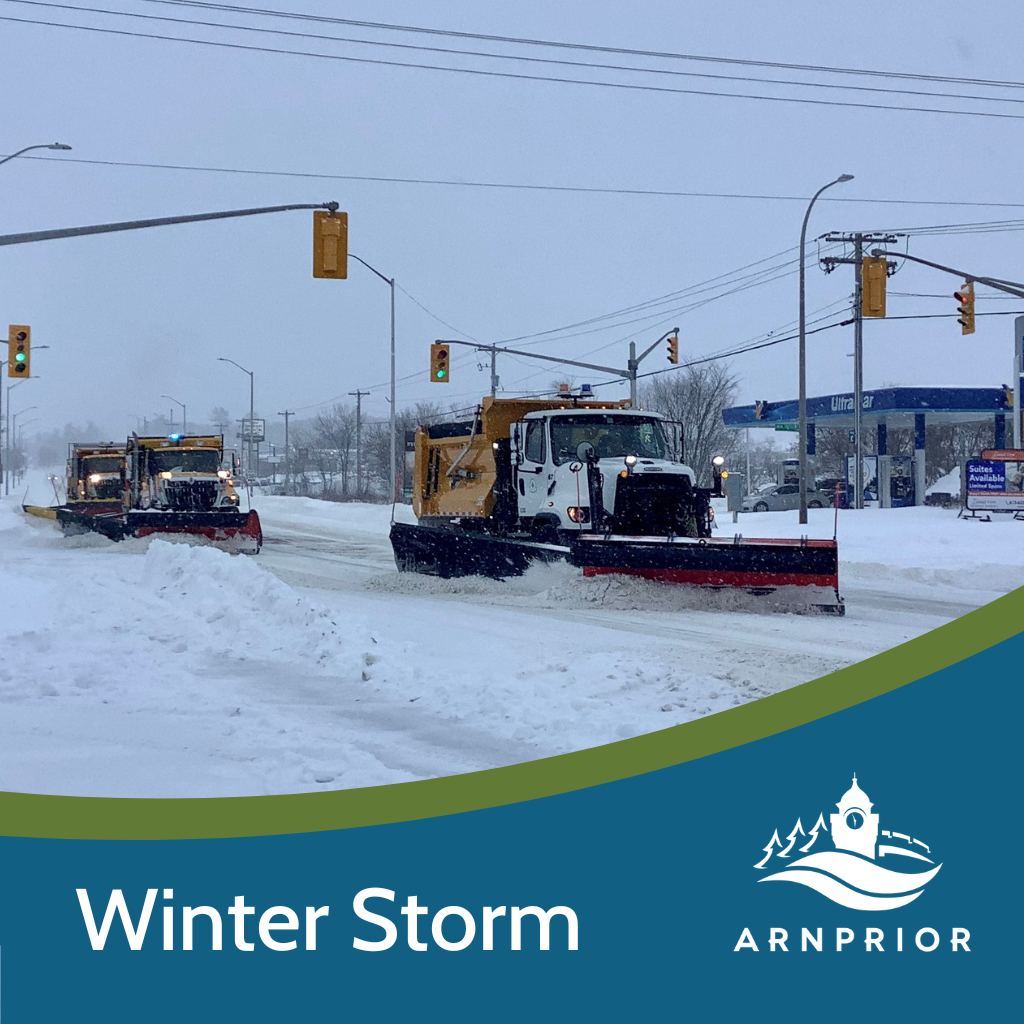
(612, 435)
(176, 460)
(102, 464)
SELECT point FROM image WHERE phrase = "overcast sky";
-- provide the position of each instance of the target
(130, 317)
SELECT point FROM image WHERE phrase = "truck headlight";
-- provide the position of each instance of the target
(165, 475)
(94, 478)
(578, 513)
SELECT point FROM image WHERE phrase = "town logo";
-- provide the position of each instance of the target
(850, 875)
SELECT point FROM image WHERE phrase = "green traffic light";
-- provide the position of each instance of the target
(440, 373)
(20, 357)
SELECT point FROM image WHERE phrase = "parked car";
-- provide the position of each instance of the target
(778, 497)
(827, 485)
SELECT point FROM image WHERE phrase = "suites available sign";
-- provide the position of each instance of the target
(995, 485)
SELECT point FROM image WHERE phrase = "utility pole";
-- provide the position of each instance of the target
(287, 452)
(358, 395)
(858, 240)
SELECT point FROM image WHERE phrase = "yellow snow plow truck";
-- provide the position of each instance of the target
(95, 477)
(174, 485)
(592, 483)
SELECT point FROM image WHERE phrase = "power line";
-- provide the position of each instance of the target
(517, 76)
(626, 51)
(434, 316)
(449, 51)
(514, 186)
(640, 305)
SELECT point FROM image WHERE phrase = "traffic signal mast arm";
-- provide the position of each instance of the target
(133, 225)
(535, 355)
(626, 374)
(1010, 287)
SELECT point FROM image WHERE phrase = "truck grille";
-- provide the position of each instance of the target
(191, 495)
(649, 504)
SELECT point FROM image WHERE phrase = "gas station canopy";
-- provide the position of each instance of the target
(882, 410)
(893, 407)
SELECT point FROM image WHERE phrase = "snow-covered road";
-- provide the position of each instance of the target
(152, 669)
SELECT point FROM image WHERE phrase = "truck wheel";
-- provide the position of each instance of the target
(814, 504)
(545, 532)
(760, 507)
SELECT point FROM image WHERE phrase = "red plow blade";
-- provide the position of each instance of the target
(759, 566)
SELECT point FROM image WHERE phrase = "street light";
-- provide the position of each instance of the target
(248, 457)
(390, 282)
(7, 446)
(7, 432)
(803, 349)
(51, 145)
(184, 418)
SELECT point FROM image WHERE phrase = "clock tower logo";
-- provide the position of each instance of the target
(855, 828)
(852, 874)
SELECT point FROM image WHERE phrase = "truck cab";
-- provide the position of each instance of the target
(611, 470)
(95, 476)
(180, 473)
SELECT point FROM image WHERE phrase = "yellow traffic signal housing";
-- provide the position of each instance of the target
(439, 363)
(673, 348)
(19, 350)
(873, 273)
(330, 244)
(966, 308)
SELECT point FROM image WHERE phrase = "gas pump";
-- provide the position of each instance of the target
(895, 481)
(789, 472)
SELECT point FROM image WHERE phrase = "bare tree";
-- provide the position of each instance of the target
(765, 459)
(696, 396)
(334, 435)
(220, 418)
(377, 441)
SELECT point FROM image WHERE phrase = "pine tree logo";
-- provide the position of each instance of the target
(850, 874)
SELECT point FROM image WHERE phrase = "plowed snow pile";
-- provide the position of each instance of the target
(129, 656)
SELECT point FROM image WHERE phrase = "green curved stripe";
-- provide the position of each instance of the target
(62, 817)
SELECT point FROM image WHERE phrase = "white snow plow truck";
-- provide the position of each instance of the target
(592, 483)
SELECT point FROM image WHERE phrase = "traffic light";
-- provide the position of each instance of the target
(19, 350)
(330, 244)
(673, 348)
(439, 363)
(873, 273)
(966, 308)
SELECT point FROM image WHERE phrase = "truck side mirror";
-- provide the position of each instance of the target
(584, 451)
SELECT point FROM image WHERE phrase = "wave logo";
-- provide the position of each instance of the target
(850, 875)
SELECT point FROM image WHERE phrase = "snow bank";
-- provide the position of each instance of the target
(949, 484)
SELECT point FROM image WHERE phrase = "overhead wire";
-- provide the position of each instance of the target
(515, 186)
(517, 76)
(449, 51)
(558, 44)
